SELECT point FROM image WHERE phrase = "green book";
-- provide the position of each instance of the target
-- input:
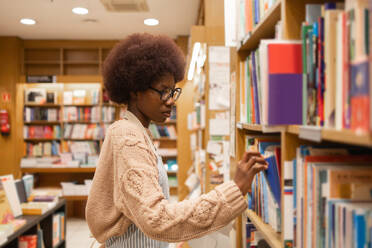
(305, 31)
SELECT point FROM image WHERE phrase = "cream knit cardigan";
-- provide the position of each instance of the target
(125, 190)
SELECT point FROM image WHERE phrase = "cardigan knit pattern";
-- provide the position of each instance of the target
(126, 190)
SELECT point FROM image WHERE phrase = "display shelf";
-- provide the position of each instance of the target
(265, 29)
(164, 139)
(42, 62)
(172, 173)
(58, 170)
(342, 136)
(74, 139)
(44, 105)
(81, 62)
(168, 156)
(75, 197)
(272, 237)
(40, 139)
(42, 123)
(31, 222)
(81, 122)
(249, 127)
(80, 105)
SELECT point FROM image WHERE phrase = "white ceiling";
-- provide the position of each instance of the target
(55, 19)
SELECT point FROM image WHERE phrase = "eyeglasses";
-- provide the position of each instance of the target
(166, 94)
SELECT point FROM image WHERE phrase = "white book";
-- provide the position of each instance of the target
(330, 51)
(288, 202)
(11, 194)
(67, 97)
(339, 71)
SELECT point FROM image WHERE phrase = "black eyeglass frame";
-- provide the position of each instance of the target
(162, 92)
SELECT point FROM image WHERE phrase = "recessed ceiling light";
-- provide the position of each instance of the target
(151, 22)
(80, 11)
(28, 21)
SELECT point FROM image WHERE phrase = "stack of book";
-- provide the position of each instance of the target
(41, 114)
(42, 149)
(83, 131)
(42, 132)
(331, 204)
(265, 198)
(91, 114)
(250, 15)
(159, 131)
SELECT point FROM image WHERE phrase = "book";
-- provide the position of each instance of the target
(6, 214)
(36, 208)
(11, 193)
(21, 191)
(360, 96)
(330, 22)
(35, 96)
(284, 84)
(27, 241)
(28, 181)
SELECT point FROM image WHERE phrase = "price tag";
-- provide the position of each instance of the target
(312, 133)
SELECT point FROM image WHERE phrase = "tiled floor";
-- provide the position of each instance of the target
(78, 234)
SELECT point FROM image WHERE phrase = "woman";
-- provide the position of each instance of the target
(128, 202)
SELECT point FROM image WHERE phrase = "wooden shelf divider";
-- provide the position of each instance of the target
(272, 237)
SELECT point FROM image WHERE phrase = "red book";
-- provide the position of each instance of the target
(27, 241)
(360, 102)
(48, 132)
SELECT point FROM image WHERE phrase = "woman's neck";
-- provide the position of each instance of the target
(140, 116)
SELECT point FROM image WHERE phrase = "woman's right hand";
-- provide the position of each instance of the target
(248, 167)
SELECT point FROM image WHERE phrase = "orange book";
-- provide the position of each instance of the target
(248, 16)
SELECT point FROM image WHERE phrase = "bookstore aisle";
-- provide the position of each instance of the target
(288, 79)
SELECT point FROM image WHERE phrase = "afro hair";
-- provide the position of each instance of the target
(137, 62)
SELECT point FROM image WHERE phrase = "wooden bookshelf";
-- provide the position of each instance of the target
(44, 105)
(42, 123)
(249, 127)
(40, 139)
(346, 136)
(272, 237)
(75, 197)
(59, 170)
(172, 173)
(265, 29)
(165, 139)
(291, 14)
(46, 223)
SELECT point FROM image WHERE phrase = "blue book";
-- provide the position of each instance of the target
(360, 230)
(272, 176)
(265, 203)
(256, 11)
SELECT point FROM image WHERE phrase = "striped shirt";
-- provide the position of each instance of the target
(134, 237)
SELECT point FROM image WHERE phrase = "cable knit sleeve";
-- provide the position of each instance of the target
(138, 195)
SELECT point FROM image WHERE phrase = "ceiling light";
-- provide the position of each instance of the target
(80, 11)
(28, 21)
(151, 22)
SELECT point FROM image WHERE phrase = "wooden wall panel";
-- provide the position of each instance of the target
(10, 54)
(214, 13)
(184, 107)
